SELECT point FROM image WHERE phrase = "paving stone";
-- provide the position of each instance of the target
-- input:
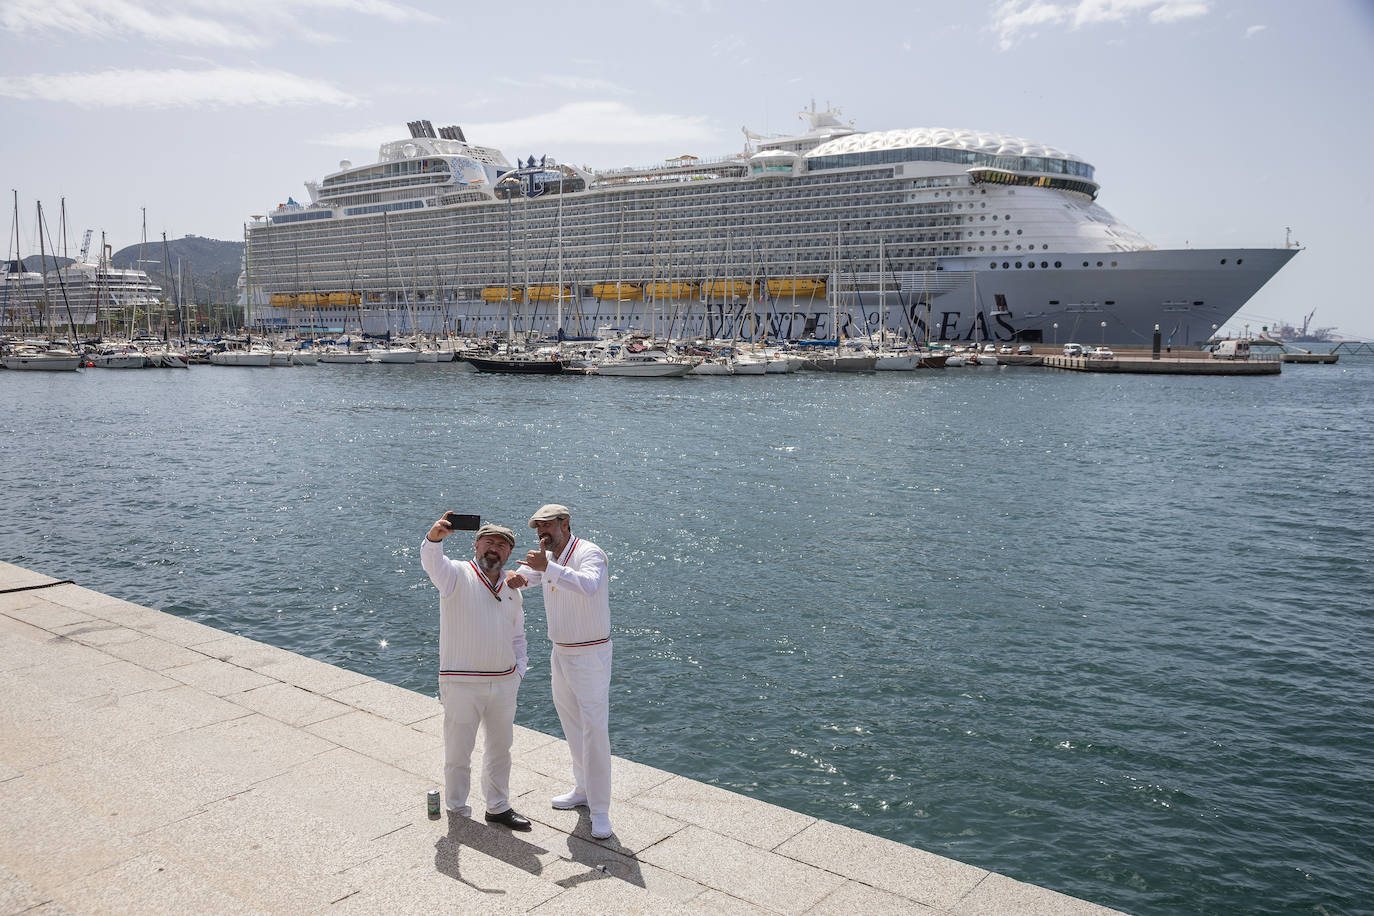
(149, 885)
(178, 630)
(290, 704)
(218, 678)
(628, 778)
(48, 840)
(636, 828)
(251, 747)
(138, 787)
(12, 576)
(716, 903)
(727, 813)
(854, 897)
(16, 894)
(998, 895)
(457, 850)
(389, 701)
(902, 870)
(374, 736)
(607, 895)
(154, 654)
(742, 871)
(97, 633)
(363, 796)
(253, 847)
(245, 652)
(35, 609)
(309, 674)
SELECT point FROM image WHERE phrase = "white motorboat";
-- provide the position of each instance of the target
(304, 357)
(646, 364)
(893, 360)
(256, 357)
(118, 358)
(397, 355)
(37, 359)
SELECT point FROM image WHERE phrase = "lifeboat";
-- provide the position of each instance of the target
(345, 298)
(671, 290)
(312, 300)
(622, 292)
(730, 289)
(498, 293)
(283, 300)
(798, 286)
(546, 293)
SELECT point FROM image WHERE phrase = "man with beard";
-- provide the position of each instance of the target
(482, 660)
(573, 573)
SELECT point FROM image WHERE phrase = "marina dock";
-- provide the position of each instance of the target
(1144, 365)
(152, 764)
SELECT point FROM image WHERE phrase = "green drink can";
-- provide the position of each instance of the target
(432, 800)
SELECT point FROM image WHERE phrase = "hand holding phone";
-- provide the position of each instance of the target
(458, 521)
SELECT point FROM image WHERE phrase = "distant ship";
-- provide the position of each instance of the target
(87, 293)
(981, 237)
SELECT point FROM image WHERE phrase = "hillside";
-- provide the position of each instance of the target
(211, 265)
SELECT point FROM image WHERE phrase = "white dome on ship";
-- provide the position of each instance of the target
(978, 141)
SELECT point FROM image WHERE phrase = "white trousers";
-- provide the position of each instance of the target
(467, 704)
(582, 696)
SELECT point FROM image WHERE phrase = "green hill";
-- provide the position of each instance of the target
(211, 266)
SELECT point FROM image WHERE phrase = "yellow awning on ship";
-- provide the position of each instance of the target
(737, 289)
(498, 293)
(797, 286)
(672, 290)
(547, 293)
(622, 292)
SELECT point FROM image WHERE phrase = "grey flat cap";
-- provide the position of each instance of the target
(550, 512)
(500, 531)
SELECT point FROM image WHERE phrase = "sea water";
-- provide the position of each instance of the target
(1107, 634)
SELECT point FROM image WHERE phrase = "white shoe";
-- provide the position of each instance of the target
(570, 800)
(601, 826)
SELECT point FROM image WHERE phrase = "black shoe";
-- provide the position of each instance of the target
(509, 818)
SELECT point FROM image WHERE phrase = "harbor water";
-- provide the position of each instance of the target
(1106, 634)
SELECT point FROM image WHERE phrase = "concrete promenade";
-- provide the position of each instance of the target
(150, 764)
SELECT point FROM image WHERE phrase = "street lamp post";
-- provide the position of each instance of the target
(1056, 333)
(1103, 341)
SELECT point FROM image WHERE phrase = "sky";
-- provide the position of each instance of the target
(1211, 123)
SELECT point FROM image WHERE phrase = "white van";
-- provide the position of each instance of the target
(1231, 349)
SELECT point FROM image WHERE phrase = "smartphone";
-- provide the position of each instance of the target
(460, 522)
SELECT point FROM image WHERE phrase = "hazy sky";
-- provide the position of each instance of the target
(1211, 123)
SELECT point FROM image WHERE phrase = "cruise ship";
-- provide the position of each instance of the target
(930, 233)
(89, 294)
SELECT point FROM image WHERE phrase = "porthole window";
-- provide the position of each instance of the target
(1004, 265)
(994, 217)
(1018, 265)
(1113, 263)
(1099, 263)
(1030, 264)
(1240, 260)
(1044, 247)
(1223, 260)
(1057, 264)
(1085, 263)
(1043, 264)
(1018, 231)
(992, 266)
(1008, 216)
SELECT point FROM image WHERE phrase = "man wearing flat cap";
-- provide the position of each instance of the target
(482, 660)
(572, 571)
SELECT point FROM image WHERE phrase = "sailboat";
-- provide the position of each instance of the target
(33, 355)
(887, 358)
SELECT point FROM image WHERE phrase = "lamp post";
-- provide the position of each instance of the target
(1103, 341)
(1056, 333)
(1155, 350)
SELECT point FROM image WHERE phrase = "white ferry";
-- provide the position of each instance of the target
(985, 237)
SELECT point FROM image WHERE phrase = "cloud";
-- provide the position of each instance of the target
(1014, 18)
(216, 88)
(559, 81)
(204, 23)
(1255, 30)
(578, 124)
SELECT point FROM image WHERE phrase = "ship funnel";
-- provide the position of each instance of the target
(453, 132)
(420, 129)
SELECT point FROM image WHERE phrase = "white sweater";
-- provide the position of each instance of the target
(481, 629)
(577, 598)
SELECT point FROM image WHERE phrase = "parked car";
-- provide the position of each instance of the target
(1024, 350)
(1073, 349)
(1005, 348)
(1099, 353)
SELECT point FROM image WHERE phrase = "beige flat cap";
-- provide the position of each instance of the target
(500, 531)
(549, 512)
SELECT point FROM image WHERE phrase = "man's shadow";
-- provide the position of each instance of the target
(602, 858)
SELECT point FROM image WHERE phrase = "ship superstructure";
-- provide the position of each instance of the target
(981, 235)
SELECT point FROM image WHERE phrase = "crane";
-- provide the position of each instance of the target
(86, 245)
